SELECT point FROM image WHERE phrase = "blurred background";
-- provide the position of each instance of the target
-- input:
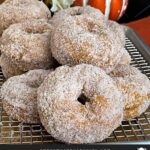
(137, 16)
(137, 9)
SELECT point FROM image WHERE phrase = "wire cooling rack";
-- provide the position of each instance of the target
(138, 129)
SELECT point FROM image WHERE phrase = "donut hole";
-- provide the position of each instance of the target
(83, 99)
(93, 28)
(76, 13)
(33, 83)
(17, 3)
(90, 26)
(34, 31)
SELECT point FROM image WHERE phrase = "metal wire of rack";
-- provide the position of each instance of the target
(137, 129)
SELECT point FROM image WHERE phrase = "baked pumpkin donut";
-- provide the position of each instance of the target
(135, 87)
(86, 38)
(19, 95)
(79, 104)
(16, 11)
(25, 46)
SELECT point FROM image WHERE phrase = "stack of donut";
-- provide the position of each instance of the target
(25, 36)
(87, 97)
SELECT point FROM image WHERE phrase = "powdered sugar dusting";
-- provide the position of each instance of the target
(19, 95)
(15, 11)
(85, 36)
(65, 118)
(26, 45)
(135, 87)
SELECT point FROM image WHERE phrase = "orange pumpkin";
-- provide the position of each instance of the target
(113, 9)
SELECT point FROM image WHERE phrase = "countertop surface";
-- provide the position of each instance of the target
(142, 27)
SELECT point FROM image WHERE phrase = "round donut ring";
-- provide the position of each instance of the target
(25, 46)
(81, 38)
(80, 104)
(135, 87)
(19, 95)
(15, 11)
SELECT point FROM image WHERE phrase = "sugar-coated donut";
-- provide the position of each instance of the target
(15, 11)
(86, 38)
(119, 31)
(19, 95)
(126, 58)
(25, 46)
(79, 104)
(135, 87)
(8, 68)
(120, 37)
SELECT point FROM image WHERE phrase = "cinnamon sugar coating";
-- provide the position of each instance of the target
(8, 68)
(120, 37)
(60, 16)
(25, 46)
(135, 87)
(83, 35)
(19, 95)
(118, 30)
(79, 104)
(16, 11)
